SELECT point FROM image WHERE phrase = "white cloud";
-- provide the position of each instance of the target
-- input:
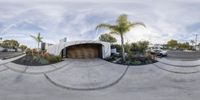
(77, 19)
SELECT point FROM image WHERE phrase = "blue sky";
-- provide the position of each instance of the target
(77, 19)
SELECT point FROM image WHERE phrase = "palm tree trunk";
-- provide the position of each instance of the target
(38, 46)
(122, 45)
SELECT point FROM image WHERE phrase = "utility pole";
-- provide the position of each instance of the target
(1, 39)
(196, 35)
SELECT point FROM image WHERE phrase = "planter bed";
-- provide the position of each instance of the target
(30, 60)
(132, 60)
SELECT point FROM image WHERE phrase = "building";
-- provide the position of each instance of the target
(81, 49)
(44, 45)
(63, 40)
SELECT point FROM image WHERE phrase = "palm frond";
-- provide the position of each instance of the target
(113, 32)
(35, 38)
(122, 19)
(105, 26)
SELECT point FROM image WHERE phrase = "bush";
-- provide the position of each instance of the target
(43, 57)
(28, 51)
(40, 60)
(117, 46)
(54, 59)
(34, 51)
(136, 62)
(43, 61)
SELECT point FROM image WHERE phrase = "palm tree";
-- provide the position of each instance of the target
(121, 27)
(38, 39)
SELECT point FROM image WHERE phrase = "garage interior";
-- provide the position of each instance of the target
(82, 51)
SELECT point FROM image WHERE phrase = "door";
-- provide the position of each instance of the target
(84, 51)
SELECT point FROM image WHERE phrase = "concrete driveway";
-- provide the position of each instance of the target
(99, 80)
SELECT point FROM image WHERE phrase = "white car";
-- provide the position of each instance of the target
(160, 52)
(2, 49)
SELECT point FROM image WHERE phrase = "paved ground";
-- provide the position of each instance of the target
(4, 55)
(182, 55)
(159, 81)
(9, 60)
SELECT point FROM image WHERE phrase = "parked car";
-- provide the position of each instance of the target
(160, 52)
(2, 49)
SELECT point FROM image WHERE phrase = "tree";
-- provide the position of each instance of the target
(172, 43)
(107, 38)
(121, 27)
(38, 39)
(134, 47)
(143, 45)
(127, 48)
(23, 47)
(10, 44)
(184, 46)
(117, 46)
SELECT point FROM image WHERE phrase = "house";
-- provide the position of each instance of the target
(81, 49)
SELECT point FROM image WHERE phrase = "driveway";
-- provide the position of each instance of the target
(96, 79)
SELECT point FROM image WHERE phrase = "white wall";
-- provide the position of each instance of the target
(56, 49)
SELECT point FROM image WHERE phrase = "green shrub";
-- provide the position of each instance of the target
(43, 61)
(54, 59)
(43, 57)
(136, 62)
(40, 60)
(59, 58)
(36, 58)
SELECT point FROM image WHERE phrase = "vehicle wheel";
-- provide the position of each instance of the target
(161, 54)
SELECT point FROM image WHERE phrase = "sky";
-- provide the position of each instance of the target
(77, 19)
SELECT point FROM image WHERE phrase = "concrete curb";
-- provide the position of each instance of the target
(187, 66)
(36, 73)
(169, 62)
(176, 72)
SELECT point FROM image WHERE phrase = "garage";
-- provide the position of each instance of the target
(82, 51)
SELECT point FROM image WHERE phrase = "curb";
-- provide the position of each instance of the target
(176, 72)
(36, 73)
(186, 66)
